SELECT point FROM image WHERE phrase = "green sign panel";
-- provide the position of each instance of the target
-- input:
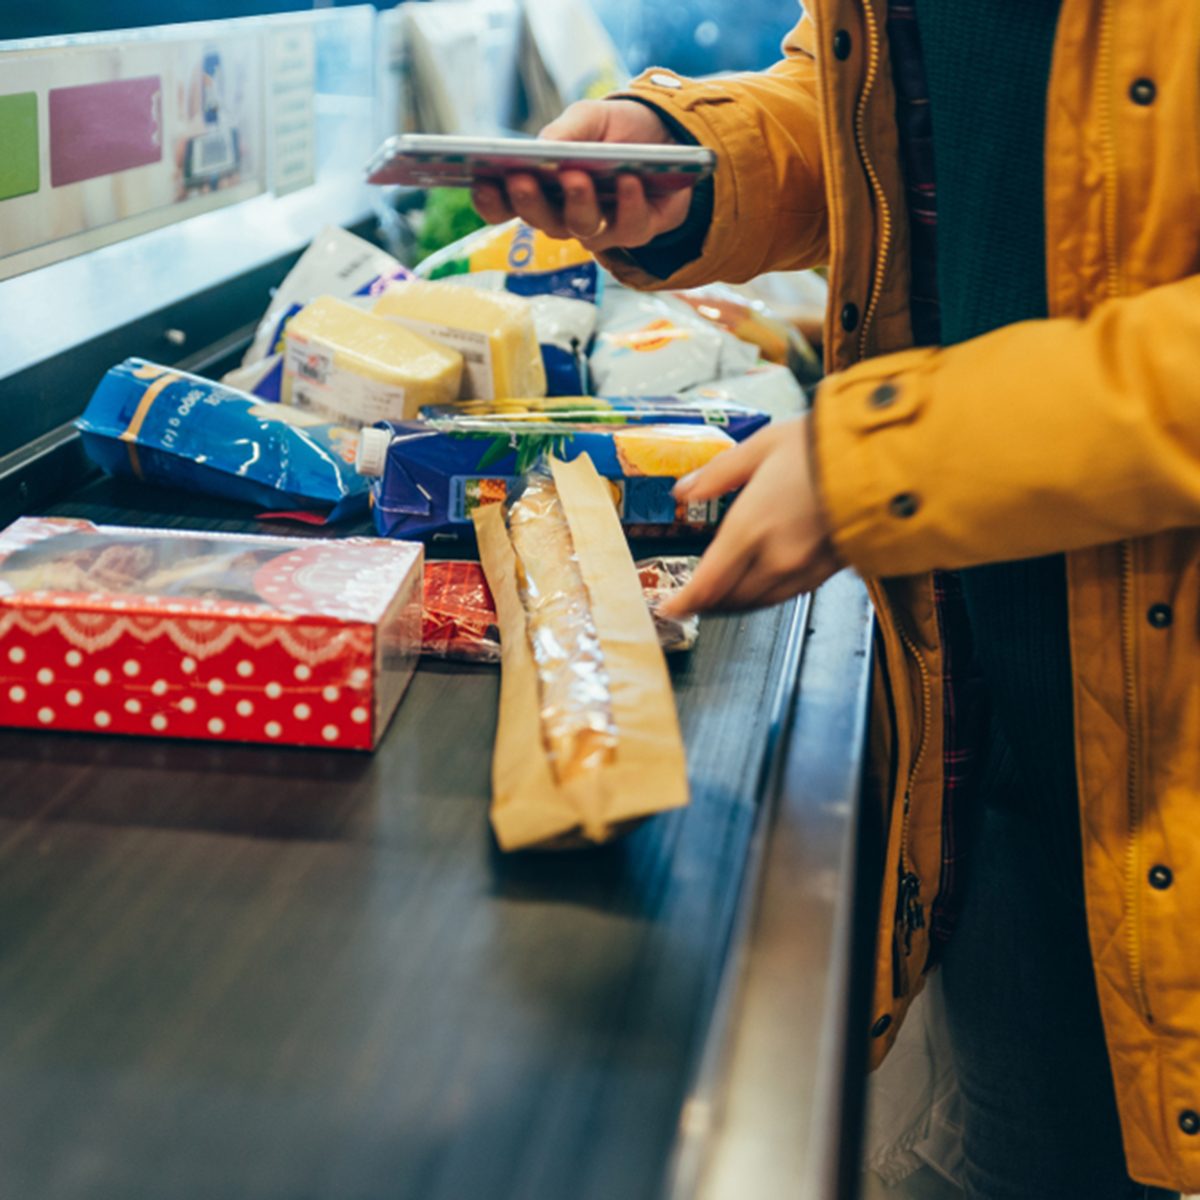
(18, 145)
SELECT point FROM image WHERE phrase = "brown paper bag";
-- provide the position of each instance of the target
(646, 771)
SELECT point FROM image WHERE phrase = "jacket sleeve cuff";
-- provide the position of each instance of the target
(866, 482)
(696, 112)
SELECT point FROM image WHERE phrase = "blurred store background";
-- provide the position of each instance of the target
(693, 37)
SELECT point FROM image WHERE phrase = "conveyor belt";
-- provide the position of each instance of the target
(231, 971)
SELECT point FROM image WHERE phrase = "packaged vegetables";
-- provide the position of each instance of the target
(176, 429)
(432, 475)
(588, 740)
(736, 419)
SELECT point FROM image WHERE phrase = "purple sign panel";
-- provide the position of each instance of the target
(100, 128)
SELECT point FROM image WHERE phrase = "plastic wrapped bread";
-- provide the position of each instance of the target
(576, 707)
(588, 739)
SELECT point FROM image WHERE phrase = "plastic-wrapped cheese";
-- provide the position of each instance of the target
(358, 368)
(493, 331)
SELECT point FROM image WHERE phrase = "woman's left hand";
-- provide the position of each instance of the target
(773, 542)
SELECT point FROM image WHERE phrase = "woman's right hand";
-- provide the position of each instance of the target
(636, 219)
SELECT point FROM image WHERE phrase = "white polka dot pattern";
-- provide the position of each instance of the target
(131, 685)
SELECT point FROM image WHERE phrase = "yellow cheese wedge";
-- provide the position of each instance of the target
(353, 366)
(493, 331)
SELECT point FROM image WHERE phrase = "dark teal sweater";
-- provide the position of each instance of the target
(987, 66)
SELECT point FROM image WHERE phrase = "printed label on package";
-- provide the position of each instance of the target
(319, 385)
(469, 492)
(475, 348)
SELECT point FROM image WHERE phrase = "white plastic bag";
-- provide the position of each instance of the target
(914, 1108)
(337, 263)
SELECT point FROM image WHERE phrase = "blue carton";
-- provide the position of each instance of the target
(435, 472)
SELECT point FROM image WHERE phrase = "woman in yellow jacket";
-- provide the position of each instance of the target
(1007, 447)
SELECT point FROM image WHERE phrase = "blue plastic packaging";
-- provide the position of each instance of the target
(171, 428)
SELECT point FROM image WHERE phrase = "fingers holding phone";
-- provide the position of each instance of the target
(629, 216)
(608, 121)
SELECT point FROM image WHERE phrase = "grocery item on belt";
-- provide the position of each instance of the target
(752, 321)
(359, 368)
(176, 633)
(559, 278)
(263, 379)
(176, 429)
(736, 419)
(459, 621)
(492, 331)
(336, 263)
(768, 388)
(564, 327)
(660, 577)
(531, 262)
(648, 345)
(799, 297)
(578, 727)
(431, 475)
(588, 739)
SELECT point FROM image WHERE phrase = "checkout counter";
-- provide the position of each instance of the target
(253, 972)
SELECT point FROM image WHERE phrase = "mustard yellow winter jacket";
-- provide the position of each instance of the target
(1079, 433)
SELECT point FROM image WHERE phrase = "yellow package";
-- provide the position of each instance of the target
(513, 248)
(493, 331)
(588, 739)
(358, 368)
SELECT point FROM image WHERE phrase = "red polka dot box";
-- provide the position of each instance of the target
(171, 633)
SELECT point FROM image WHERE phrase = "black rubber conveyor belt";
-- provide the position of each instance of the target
(253, 972)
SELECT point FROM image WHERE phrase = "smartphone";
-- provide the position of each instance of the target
(429, 160)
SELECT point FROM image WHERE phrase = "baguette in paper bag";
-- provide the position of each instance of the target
(588, 739)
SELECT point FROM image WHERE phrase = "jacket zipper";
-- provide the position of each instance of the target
(1133, 780)
(860, 138)
(910, 916)
(1133, 846)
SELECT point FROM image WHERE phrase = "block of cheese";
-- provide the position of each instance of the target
(493, 331)
(352, 366)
